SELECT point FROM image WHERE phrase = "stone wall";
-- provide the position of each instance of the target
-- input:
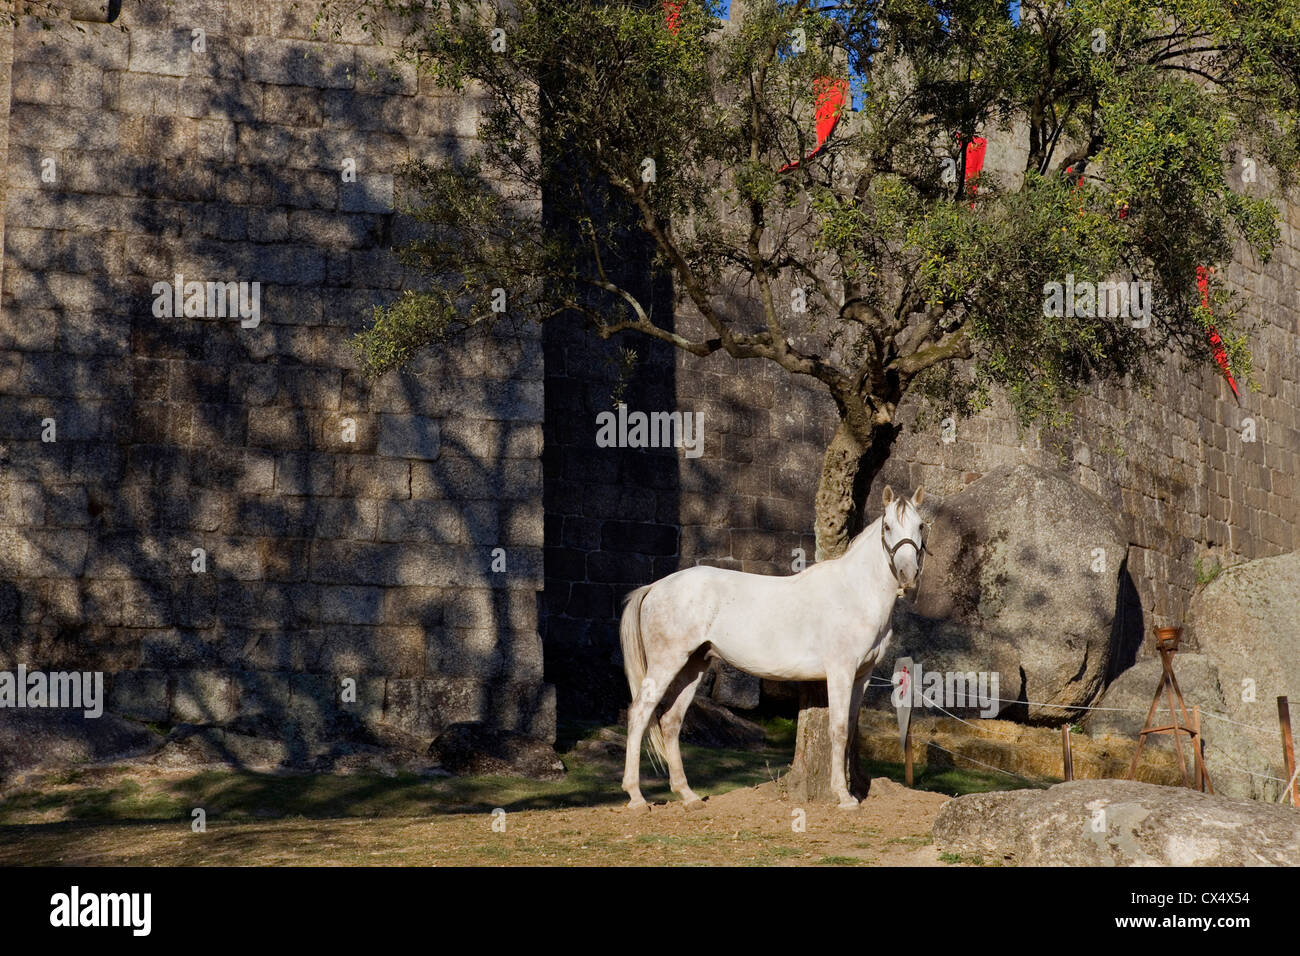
(347, 528)
(372, 558)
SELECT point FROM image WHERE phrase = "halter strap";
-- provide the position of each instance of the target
(890, 552)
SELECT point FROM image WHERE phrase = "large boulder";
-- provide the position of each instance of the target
(34, 740)
(1247, 622)
(1021, 580)
(709, 724)
(472, 748)
(1118, 823)
(732, 687)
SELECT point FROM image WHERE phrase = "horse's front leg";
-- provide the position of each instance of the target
(839, 694)
(858, 781)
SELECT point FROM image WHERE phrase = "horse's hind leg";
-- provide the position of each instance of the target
(639, 714)
(681, 694)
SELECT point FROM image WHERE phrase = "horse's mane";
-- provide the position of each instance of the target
(872, 531)
(864, 537)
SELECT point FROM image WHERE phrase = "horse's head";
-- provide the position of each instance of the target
(902, 535)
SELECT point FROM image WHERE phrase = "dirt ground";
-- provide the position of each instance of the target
(139, 812)
(747, 826)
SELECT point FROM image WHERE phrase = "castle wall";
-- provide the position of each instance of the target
(371, 556)
(347, 527)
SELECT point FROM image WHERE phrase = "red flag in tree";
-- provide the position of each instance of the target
(831, 95)
(1220, 353)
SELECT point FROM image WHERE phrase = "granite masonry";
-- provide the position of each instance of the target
(350, 530)
(221, 513)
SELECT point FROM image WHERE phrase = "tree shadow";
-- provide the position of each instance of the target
(183, 433)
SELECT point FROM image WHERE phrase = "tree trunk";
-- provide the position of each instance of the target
(853, 459)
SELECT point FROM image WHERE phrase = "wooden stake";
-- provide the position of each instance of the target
(1198, 749)
(1288, 747)
(907, 758)
(1170, 686)
(1067, 757)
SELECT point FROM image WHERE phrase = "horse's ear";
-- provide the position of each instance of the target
(919, 496)
(886, 496)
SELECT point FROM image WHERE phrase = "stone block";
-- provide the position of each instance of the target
(409, 436)
(162, 52)
(371, 193)
(291, 62)
(414, 520)
(139, 694)
(202, 697)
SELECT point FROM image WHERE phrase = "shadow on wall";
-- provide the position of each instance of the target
(1129, 628)
(611, 514)
(620, 518)
(322, 555)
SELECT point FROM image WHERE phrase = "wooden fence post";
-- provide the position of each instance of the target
(1288, 747)
(1067, 756)
(907, 757)
(1198, 742)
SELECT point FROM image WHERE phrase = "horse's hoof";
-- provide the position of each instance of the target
(696, 804)
(637, 806)
(849, 804)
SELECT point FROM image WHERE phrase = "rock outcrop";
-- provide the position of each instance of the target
(1021, 580)
(1118, 823)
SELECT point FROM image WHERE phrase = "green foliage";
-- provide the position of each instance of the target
(1132, 119)
(973, 859)
(1207, 571)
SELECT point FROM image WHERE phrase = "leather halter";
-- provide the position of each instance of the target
(890, 552)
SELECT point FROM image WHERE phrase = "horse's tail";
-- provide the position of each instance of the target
(634, 661)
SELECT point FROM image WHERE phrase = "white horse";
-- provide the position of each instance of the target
(828, 622)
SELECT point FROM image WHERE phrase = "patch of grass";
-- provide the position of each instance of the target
(1205, 573)
(781, 732)
(951, 781)
(784, 852)
(843, 861)
(913, 840)
(242, 795)
(973, 859)
(123, 800)
(665, 839)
